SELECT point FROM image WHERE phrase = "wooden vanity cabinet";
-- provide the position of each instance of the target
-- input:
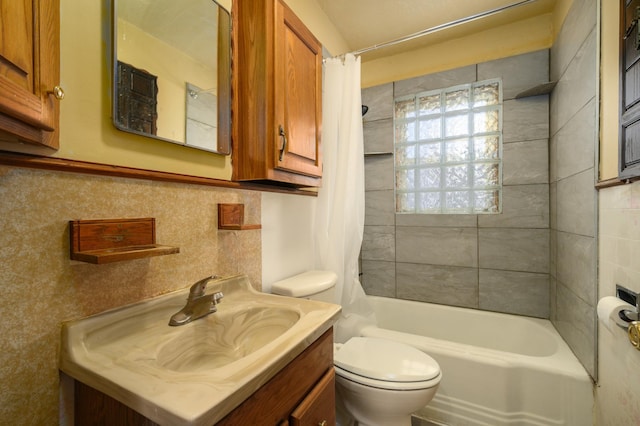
(277, 98)
(29, 75)
(301, 394)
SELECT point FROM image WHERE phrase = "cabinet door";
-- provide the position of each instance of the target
(629, 143)
(137, 104)
(318, 407)
(29, 69)
(299, 86)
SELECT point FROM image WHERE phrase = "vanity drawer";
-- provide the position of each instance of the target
(318, 408)
(274, 403)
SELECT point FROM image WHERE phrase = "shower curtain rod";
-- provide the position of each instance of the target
(438, 28)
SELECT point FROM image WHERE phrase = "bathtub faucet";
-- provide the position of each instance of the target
(198, 304)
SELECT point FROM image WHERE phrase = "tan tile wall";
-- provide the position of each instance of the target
(617, 401)
(41, 287)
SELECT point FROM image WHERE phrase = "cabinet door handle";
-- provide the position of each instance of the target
(282, 134)
(57, 92)
(323, 423)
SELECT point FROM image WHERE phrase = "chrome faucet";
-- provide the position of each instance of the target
(198, 304)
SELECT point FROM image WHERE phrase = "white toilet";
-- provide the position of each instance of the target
(379, 382)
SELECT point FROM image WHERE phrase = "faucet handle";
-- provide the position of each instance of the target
(215, 299)
(198, 288)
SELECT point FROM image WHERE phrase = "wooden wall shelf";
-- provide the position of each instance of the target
(231, 217)
(115, 240)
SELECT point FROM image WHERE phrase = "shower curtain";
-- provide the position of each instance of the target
(340, 206)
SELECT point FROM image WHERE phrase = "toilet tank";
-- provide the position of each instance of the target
(314, 285)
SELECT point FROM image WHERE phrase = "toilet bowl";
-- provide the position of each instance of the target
(382, 382)
(378, 382)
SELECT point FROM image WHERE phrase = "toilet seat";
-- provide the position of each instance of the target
(385, 364)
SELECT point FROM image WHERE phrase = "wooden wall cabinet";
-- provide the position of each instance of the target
(29, 75)
(277, 98)
(301, 394)
(137, 103)
(629, 144)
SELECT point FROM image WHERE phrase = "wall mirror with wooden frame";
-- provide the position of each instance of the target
(171, 74)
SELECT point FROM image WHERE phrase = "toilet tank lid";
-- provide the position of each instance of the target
(305, 284)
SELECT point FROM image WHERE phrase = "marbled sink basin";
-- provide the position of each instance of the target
(225, 338)
(192, 374)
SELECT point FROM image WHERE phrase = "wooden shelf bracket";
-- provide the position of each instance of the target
(231, 217)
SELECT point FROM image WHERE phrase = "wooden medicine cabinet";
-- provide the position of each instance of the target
(277, 96)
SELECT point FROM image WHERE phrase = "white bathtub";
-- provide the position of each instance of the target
(497, 369)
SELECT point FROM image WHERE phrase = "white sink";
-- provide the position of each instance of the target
(195, 373)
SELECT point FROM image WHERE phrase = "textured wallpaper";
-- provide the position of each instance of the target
(41, 287)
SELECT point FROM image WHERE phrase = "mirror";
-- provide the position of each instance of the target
(172, 71)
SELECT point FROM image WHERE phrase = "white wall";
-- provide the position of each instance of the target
(287, 236)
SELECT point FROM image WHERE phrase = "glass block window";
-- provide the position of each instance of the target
(448, 150)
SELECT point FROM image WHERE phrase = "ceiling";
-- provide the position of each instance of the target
(176, 23)
(361, 23)
(365, 23)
